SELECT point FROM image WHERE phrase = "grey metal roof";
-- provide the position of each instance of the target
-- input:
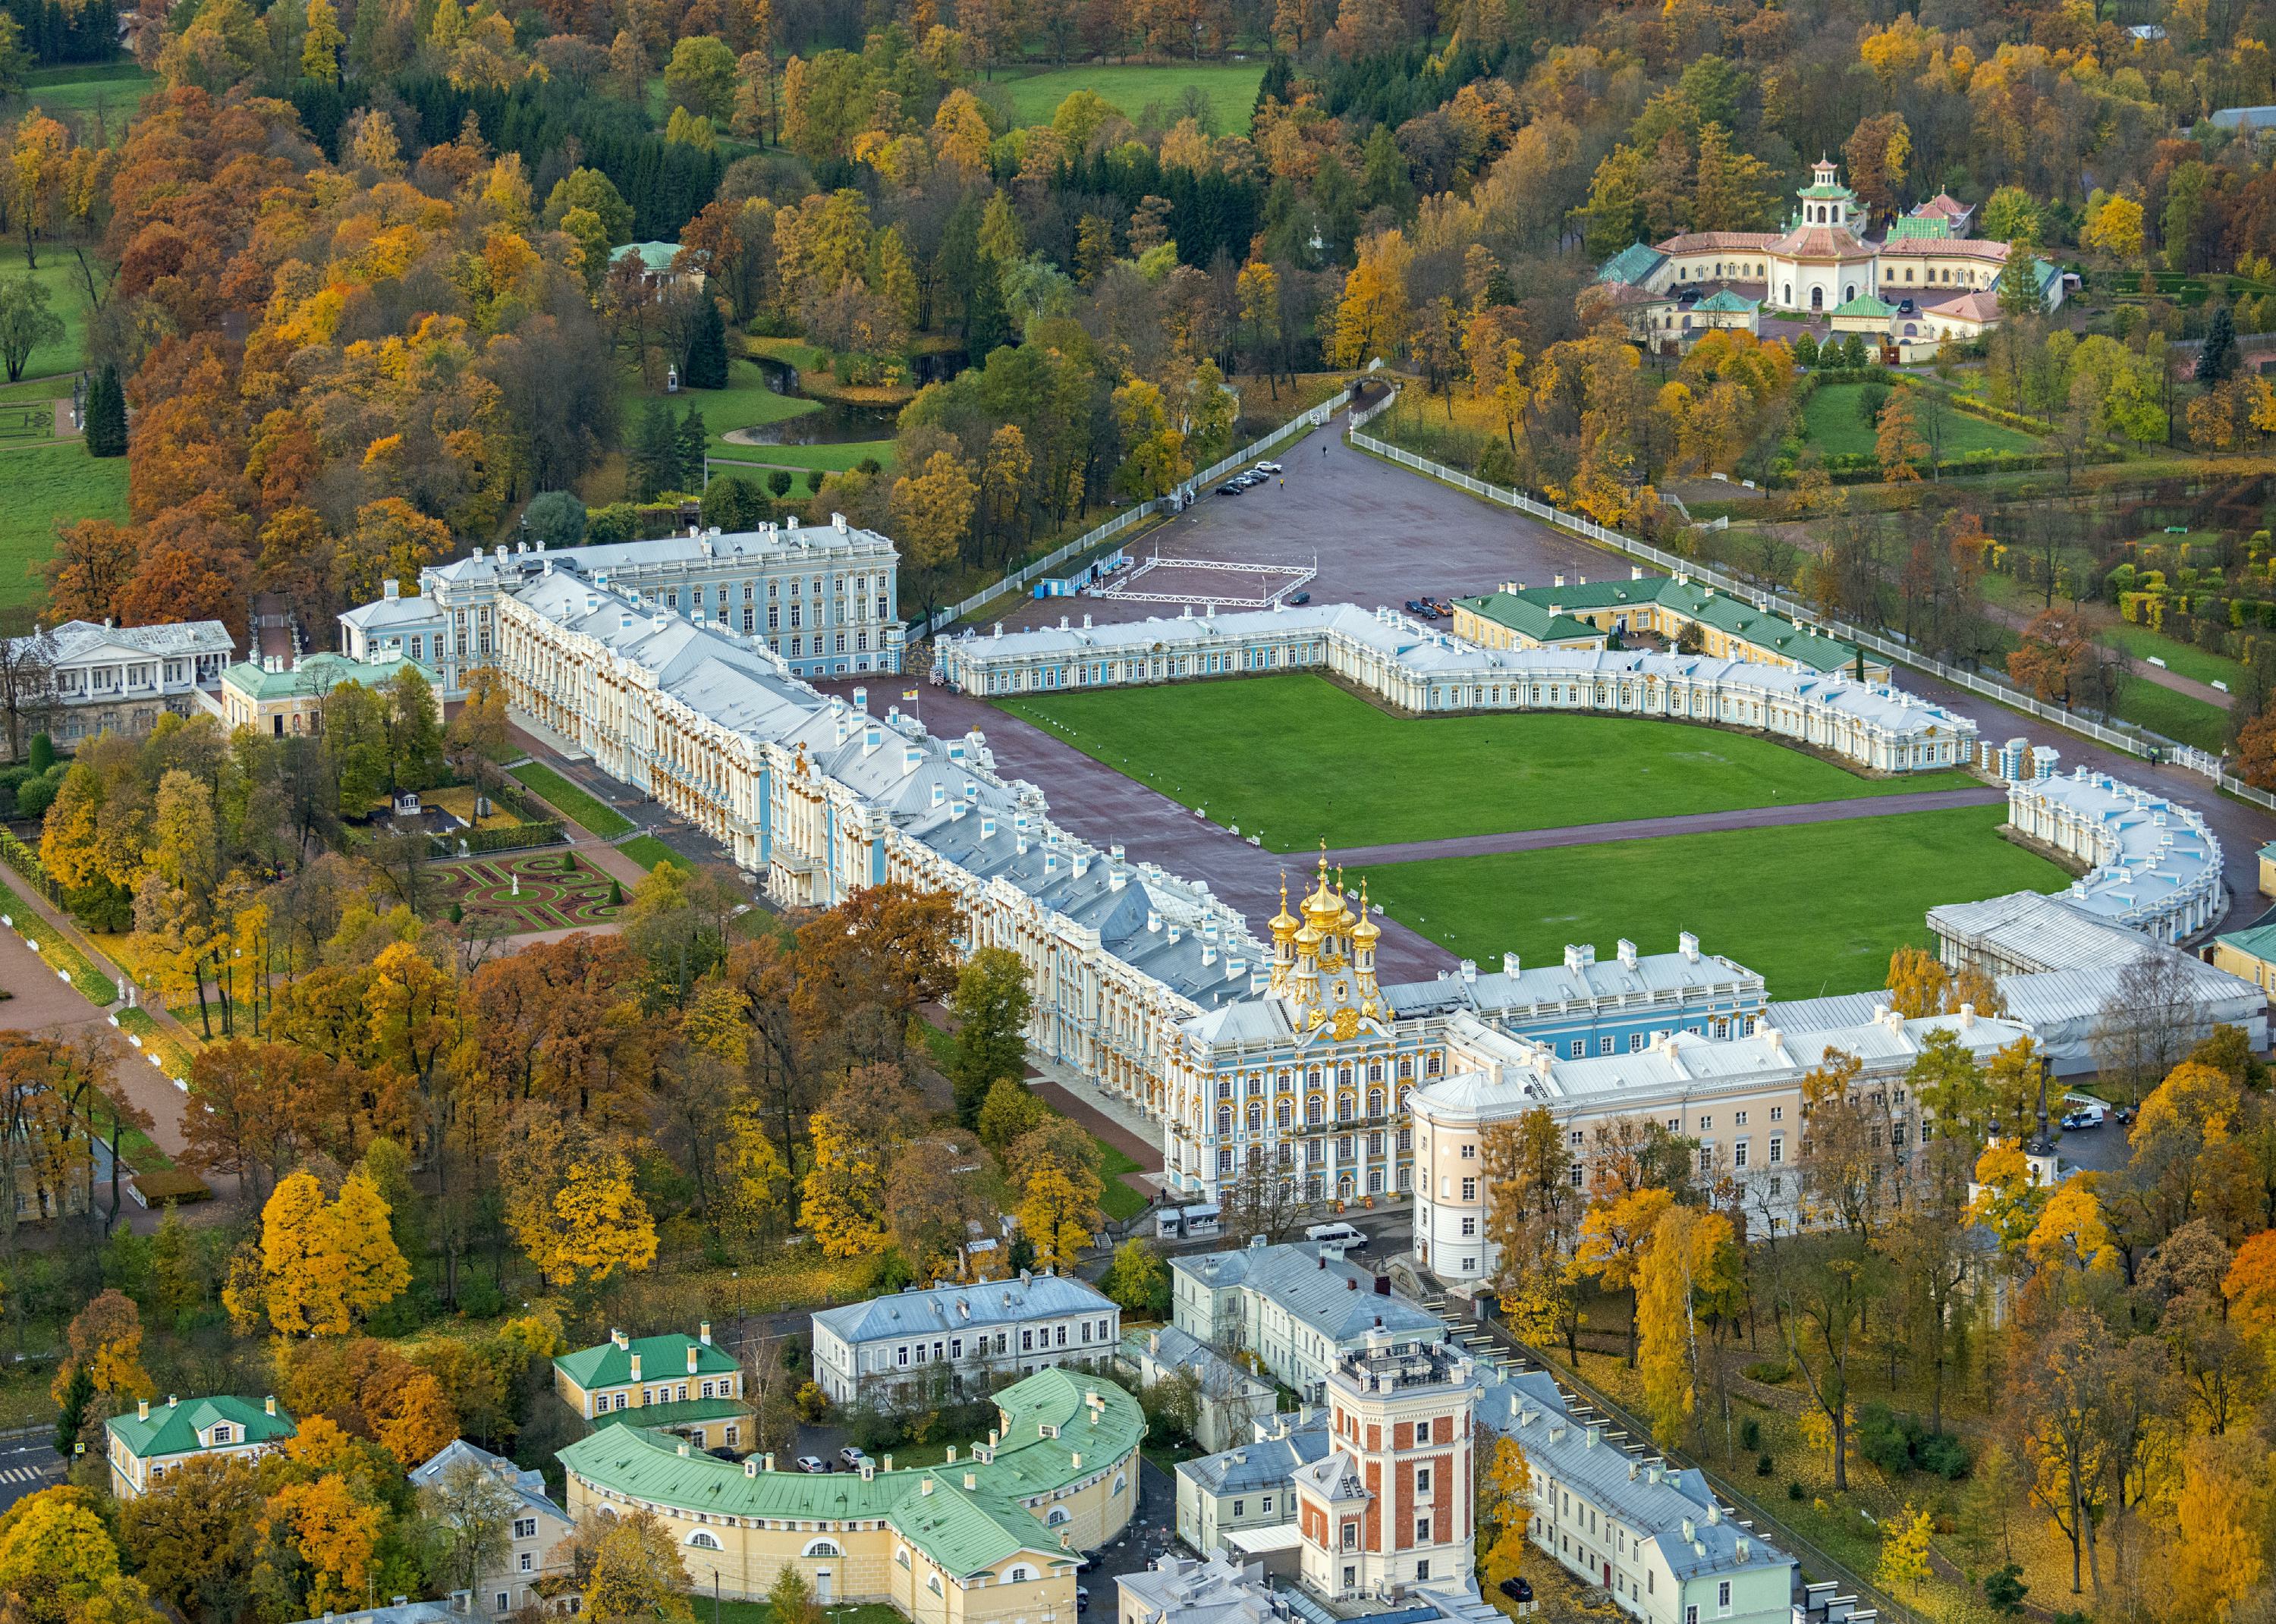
(1178, 1590)
(1532, 1408)
(2158, 849)
(76, 639)
(528, 1485)
(1268, 1463)
(1581, 979)
(1333, 1298)
(962, 1307)
(2026, 927)
(1219, 1377)
(1430, 655)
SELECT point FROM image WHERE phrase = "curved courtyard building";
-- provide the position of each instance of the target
(990, 1533)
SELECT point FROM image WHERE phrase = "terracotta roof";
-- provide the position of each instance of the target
(1942, 204)
(1945, 247)
(1982, 307)
(1709, 242)
(1821, 242)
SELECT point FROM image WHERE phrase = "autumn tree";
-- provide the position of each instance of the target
(1613, 1239)
(570, 1205)
(989, 1013)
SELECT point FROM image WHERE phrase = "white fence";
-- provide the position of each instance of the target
(1316, 417)
(2134, 742)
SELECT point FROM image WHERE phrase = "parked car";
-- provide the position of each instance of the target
(851, 1455)
(2076, 1121)
(1268, 467)
(1301, 597)
(2125, 1114)
(1230, 489)
(811, 1463)
(1349, 1236)
(1517, 1589)
(1081, 1599)
(1413, 607)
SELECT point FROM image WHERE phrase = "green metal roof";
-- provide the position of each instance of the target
(2260, 941)
(652, 255)
(1734, 616)
(1724, 299)
(675, 1414)
(646, 1466)
(1866, 304)
(314, 675)
(1927, 228)
(964, 1530)
(662, 1358)
(173, 1427)
(1529, 618)
(1632, 264)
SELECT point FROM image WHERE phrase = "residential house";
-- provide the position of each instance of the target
(677, 1384)
(1229, 1403)
(537, 1529)
(963, 1336)
(158, 1440)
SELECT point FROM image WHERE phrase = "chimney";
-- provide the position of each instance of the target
(1470, 970)
(1509, 964)
(972, 1480)
(703, 1333)
(1626, 953)
(636, 1362)
(925, 1487)
(1635, 572)
(1687, 945)
(142, 1410)
(771, 1461)
(620, 1339)
(692, 1352)
(269, 1404)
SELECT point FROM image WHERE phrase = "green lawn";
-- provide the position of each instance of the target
(1231, 87)
(1816, 908)
(1297, 760)
(2177, 716)
(1120, 1201)
(745, 403)
(1834, 422)
(111, 89)
(57, 481)
(647, 851)
(573, 802)
(829, 459)
(2183, 659)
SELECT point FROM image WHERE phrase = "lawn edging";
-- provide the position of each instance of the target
(565, 801)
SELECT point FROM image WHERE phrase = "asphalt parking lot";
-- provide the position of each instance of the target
(1379, 535)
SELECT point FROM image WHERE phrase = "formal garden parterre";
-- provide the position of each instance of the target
(531, 891)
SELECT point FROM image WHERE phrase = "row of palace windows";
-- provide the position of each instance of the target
(1284, 1080)
(1314, 1110)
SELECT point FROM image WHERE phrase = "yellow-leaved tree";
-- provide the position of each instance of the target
(1614, 1237)
(845, 1205)
(1057, 1213)
(1904, 1549)
(571, 1207)
(1689, 1252)
(1505, 1510)
(326, 1265)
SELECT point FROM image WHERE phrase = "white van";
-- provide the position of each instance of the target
(1347, 1237)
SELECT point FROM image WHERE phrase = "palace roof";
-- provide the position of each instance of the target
(1822, 242)
(1945, 248)
(1866, 304)
(1983, 305)
(1531, 618)
(960, 1307)
(1724, 302)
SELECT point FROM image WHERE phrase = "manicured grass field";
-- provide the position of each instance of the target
(1297, 760)
(1816, 908)
(111, 89)
(572, 802)
(745, 403)
(829, 459)
(2183, 659)
(46, 483)
(647, 851)
(2177, 716)
(1832, 422)
(1231, 87)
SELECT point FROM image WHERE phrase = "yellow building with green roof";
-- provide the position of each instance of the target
(676, 1384)
(990, 1536)
(160, 1438)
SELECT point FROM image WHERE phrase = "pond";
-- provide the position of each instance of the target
(830, 423)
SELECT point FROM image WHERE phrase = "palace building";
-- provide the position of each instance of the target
(1823, 264)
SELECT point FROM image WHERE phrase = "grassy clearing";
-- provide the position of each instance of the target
(2183, 659)
(746, 403)
(111, 91)
(829, 459)
(1816, 908)
(572, 802)
(647, 851)
(2177, 716)
(1832, 422)
(1269, 737)
(1231, 87)
(50, 483)
(1120, 1201)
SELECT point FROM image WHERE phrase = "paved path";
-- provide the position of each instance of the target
(1690, 823)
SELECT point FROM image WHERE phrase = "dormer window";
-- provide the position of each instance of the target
(221, 1432)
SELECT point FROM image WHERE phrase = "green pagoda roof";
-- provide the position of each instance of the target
(1866, 304)
(1734, 616)
(1724, 300)
(1632, 264)
(1928, 228)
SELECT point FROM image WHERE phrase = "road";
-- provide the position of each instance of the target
(28, 1464)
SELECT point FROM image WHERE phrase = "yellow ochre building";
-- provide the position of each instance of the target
(990, 1536)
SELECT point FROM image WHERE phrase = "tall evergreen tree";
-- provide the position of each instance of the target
(694, 441)
(656, 453)
(986, 323)
(705, 364)
(2218, 359)
(106, 414)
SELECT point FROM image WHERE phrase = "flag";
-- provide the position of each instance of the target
(909, 695)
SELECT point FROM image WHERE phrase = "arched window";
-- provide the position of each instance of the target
(1346, 1105)
(1287, 1080)
(1224, 1087)
(1224, 1119)
(823, 1547)
(1312, 1109)
(1375, 1102)
(1059, 1515)
(1406, 1068)
(702, 1541)
(1280, 1115)
(1312, 1076)
(1121, 1481)
(1375, 1070)
(1019, 1575)
(1256, 1116)
(1344, 1073)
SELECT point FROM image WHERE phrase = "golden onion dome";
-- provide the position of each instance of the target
(1307, 940)
(1283, 924)
(1367, 932)
(1323, 905)
(1345, 918)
